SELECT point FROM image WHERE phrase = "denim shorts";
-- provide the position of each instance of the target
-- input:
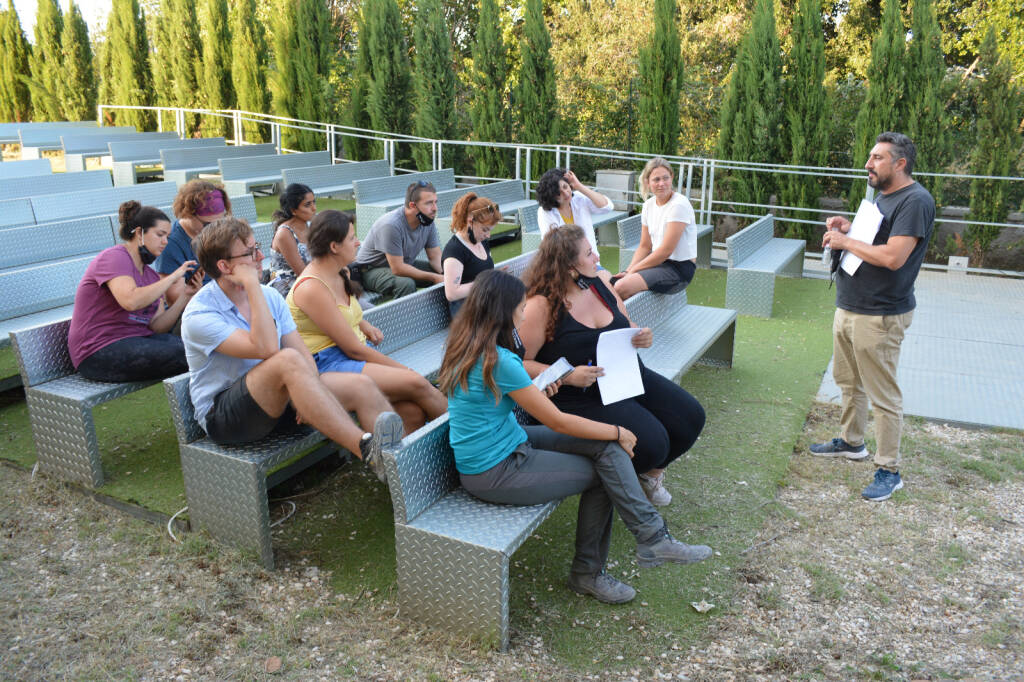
(333, 359)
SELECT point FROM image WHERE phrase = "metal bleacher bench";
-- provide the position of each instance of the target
(55, 184)
(509, 195)
(127, 156)
(755, 258)
(336, 179)
(10, 132)
(78, 148)
(630, 230)
(23, 169)
(38, 294)
(531, 236)
(16, 212)
(452, 549)
(106, 201)
(377, 196)
(181, 165)
(34, 141)
(60, 403)
(241, 175)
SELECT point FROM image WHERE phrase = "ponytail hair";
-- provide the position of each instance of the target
(326, 228)
(133, 215)
(481, 208)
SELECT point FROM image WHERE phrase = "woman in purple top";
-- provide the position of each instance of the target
(119, 327)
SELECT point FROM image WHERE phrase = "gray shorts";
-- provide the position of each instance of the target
(670, 277)
(237, 418)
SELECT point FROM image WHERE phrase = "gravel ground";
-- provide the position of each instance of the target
(927, 586)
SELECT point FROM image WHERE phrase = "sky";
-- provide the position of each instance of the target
(94, 11)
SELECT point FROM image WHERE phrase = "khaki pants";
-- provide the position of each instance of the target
(866, 352)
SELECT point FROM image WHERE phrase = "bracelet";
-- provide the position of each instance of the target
(618, 434)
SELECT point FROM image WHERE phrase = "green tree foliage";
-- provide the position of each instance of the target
(434, 80)
(160, 59)
(998, 145)
(489, 109)
(249, 65)
(356, 115)
(218, 93)
(76, 89)
(105, 75)
(806, 116)
(15, 100)
(884, 100)
(45, 62)
(389, 80)
(186, 69)
(752, 113)
(535, 99)
(303, 48)
(924, 113)
(129, 63)
(850, 27)
(660, 78)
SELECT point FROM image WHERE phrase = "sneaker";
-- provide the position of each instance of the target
(602, 587)
(885, 484)
(837, 447)
(387, 432)
(654, 488)
(663, 547)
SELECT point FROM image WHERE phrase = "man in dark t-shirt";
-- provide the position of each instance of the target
(874, 307)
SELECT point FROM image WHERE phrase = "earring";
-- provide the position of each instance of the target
(579, 280)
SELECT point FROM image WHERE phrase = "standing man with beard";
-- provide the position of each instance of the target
(874, 307)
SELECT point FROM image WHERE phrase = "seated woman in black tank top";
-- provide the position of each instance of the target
(467, 253)
(569, 303)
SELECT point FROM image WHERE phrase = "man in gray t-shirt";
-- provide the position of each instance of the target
(874, 308)
(387, 260)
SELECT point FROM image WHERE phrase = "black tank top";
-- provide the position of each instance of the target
(578, 344)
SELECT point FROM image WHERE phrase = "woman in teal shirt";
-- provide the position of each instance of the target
(502, 462)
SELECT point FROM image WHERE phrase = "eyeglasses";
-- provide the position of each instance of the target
(487, 211)
(250, 253)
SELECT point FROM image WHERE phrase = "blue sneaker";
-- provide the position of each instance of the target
(885, 484)
(837, 447)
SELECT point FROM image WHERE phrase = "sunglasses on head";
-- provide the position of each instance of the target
(486, 211)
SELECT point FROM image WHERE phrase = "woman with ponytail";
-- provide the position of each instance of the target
(467, 253)
(290, 251)
(120, 325)
(324, 304)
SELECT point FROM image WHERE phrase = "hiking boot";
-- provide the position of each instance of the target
(654, 488)
(387, 432)
(663, 547)
(602, 587)
(837, 447)
(885, 484)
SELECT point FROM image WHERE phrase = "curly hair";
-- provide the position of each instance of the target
(471, 203)
(550, 273)
(191, 196)
(548, 188)
(656, 162)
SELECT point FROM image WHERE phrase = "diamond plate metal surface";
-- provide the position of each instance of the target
(35, 288)
(755, 257)
(238, 175)
(16, 212)
(57, 183)
(377, 196)
(410, 318)
(23, 169)
(683, 333)
(101, 201)
(705, 237)
(336, 179)
(744, 243)
(37, 243)
(181, 165)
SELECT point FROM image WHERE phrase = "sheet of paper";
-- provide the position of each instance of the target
(864, 228)
(617, 356)
(553, 373)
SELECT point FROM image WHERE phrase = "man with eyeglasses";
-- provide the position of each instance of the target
(250, 370)
(387, 262)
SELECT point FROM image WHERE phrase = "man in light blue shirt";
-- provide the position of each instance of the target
(250, 370)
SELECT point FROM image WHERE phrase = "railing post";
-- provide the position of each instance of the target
(519, 157)
(179, 121)
(529, 163)
(391, 154)
(440, 155)
(276, 136)
(711, 193)
(689, 179)
(332, 143)
(703, 191)
(568, 157)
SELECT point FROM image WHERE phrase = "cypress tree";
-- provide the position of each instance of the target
(77, 88)
(15, 100)
(249, 65)
(45, 63)
(752, 112)
(216, 65)
(880, 111)
(356, 116)
(434, 115)
(105, 75)
(924, 117)
(806, 116)
(160, 58)
(660, 79)
(387, 91)
(488, 110)
(303, 46)
(535, 96)
(129, 63)
(997, 146)
(186, 69)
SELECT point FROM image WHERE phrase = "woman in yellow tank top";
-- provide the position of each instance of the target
(324, 303)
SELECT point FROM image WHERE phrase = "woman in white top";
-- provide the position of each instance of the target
(564, 200)
(666, 259)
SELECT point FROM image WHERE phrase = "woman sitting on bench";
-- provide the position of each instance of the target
(289, 250)
(467, 253)
(119, 326)
(564, 200)
(197, 204)
(666, 259)
(570, 304)
(502, 462)
(324, 304)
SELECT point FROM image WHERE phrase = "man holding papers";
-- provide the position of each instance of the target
(875, 305)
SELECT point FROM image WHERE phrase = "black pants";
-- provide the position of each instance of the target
(137, 358)
(666, 420)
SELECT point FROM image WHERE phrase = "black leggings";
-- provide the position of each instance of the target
(137, 358)
(666, 420)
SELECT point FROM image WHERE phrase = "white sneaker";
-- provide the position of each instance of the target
(654, 488)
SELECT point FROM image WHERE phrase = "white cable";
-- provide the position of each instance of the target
(35, 468)
(286, 516)
(170, 522)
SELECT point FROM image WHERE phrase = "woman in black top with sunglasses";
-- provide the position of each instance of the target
(467, 254)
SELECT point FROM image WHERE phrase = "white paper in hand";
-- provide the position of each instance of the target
(864, 228)
(617, 356)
